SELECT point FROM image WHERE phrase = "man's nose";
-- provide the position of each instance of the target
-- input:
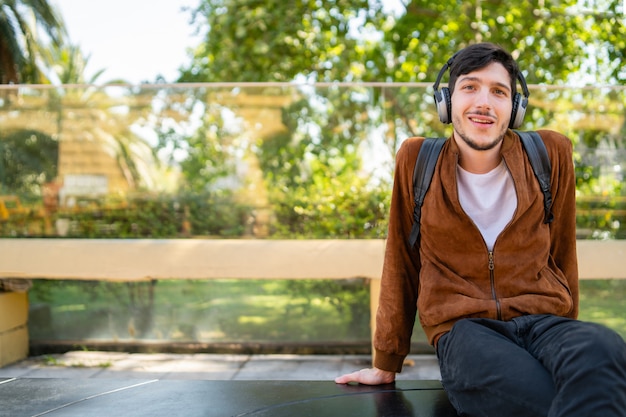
(483, 99)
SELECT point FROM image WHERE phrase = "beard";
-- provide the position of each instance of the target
(481, 146)
(474, 144)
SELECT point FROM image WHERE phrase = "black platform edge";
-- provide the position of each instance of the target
(43, 347)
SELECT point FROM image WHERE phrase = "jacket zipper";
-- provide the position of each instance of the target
(493, 286)
(492, 278)
(491, 262)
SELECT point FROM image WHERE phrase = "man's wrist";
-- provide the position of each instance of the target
(386, 376)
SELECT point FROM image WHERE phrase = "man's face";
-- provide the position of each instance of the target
(481, 106)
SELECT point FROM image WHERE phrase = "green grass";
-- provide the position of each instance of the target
(203, 311)
(240, 311)
(604, 301)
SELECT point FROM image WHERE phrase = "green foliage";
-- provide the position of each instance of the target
(278, 40)
(331, 205)
(316, 185)
(601, 301)
(142, 217)
(338, 40)
(241, 311)
(551, 39)
(19, 41)
(203, 311)
(28, 159)
(601, 199)
(209, 153)
(216, 214)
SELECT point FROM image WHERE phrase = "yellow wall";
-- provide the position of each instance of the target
(13, 327)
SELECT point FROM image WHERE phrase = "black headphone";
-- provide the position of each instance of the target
(444, 102)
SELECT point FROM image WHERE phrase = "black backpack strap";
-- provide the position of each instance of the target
(422, 175)
(540, 161)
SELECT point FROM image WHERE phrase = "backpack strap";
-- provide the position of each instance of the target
(427, 160)
(540, 161)
(422, 175)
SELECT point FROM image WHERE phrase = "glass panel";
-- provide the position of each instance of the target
(286, 314)
(263, 160)
(312, 314)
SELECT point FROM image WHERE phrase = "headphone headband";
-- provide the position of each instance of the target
(522, 82)
(443, 71)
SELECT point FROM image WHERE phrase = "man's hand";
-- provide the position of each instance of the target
(371, 376)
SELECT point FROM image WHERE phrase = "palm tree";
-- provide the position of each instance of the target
(20, 46)
(86, 118)
(82, 116)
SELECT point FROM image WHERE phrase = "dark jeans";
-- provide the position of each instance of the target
(533, 366)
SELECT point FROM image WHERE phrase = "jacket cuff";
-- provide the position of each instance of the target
(388, 361)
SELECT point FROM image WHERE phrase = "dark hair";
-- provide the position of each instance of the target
(478, 56)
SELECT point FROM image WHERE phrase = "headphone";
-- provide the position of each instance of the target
(444, 102)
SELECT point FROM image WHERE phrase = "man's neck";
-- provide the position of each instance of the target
(478, 161)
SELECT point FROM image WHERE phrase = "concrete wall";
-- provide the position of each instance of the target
(13, 327)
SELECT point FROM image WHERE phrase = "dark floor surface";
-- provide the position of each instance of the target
(114, 384)
(31, 397)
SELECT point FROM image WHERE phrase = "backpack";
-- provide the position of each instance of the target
(429, 154)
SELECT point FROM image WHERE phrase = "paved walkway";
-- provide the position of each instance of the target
(116, 365)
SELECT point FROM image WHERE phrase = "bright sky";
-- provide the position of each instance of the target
(134, 40)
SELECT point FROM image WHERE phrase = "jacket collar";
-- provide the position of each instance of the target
(511, 152)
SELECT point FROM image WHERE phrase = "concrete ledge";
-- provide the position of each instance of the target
(139, 259)
(601, 259)
(145, 259)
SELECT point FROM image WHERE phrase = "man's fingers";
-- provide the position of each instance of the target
(371, 376)
(364, 376)
(347, 378)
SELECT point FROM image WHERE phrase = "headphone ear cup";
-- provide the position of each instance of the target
(518, 111)
(444, 105)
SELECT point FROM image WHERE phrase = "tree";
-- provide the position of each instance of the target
(110, 129)
(28, 159)
(550, 39)
(277, 40)
(338, 40)
(25, 57)
(20, 45)
(555, 42)
(317, 41)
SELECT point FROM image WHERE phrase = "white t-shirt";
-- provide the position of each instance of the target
(489, 199)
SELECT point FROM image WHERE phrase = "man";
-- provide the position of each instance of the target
(495, 286)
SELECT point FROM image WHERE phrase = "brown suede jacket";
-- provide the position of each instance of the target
(531, 270)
